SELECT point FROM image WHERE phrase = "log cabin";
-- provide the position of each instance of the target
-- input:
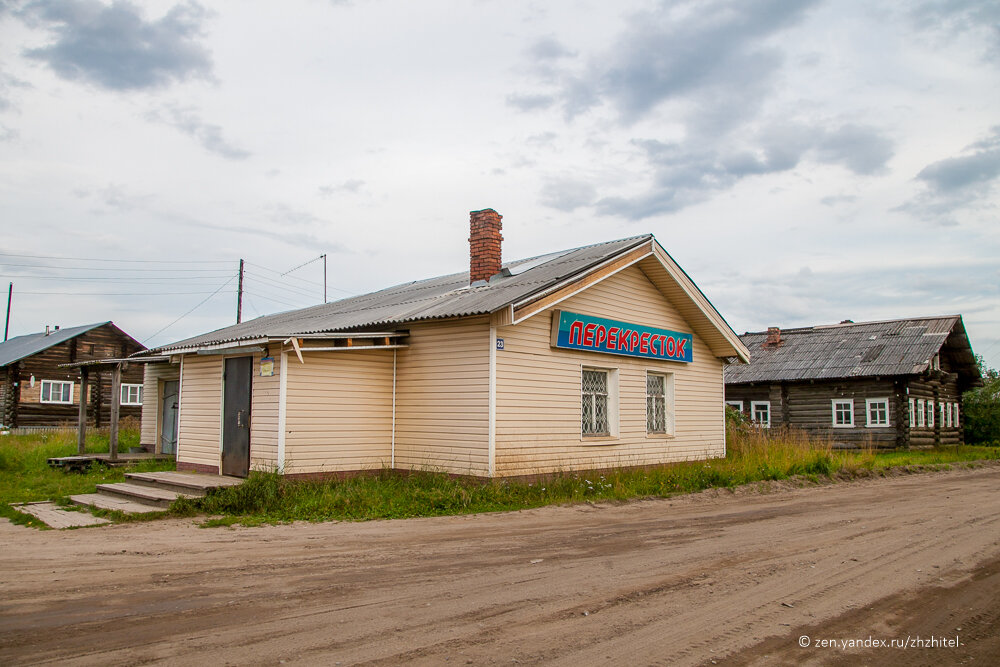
(887, 384)
(36, 390)
(606, 355)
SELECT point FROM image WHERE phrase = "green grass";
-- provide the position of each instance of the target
(753, 456)
(25, 475)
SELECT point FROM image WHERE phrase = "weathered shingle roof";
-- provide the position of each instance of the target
(445, 296)
(848, 350)
(21, 347)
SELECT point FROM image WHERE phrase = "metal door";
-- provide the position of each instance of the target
(236, 382)
(168, 417)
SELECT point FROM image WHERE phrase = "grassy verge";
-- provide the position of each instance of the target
(25, 475)
(753, 457)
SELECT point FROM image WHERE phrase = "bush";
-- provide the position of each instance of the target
(982, 408)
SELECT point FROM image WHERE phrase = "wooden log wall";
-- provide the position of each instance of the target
(103, 342)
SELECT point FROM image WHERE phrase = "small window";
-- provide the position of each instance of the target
(913, 413)
(930, 414)
(660, 403)
(954, 411)
(56, 391)
(760, 413)
(921, 422)
(877, 410)
(941, 416)
(737, 405)
(131, 394)
(843, 412)
(595, 403)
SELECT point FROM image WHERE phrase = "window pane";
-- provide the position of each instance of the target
(65, 392)
(46, 388)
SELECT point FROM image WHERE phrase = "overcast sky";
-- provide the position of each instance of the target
(804, 161)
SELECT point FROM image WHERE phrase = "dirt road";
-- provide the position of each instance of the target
(731, 578)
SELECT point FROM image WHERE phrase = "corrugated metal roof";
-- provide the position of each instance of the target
(862, 349)
(445, 296)
(20, 347)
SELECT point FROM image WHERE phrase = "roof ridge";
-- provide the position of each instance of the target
(856, 324)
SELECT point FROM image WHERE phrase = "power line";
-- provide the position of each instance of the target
(104, 259)
(162, 280)
(112, 293)
(200, 304)
(114, 268)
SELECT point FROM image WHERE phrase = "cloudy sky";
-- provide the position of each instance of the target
(805, 161)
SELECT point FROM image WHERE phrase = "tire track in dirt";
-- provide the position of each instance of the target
(673, 581)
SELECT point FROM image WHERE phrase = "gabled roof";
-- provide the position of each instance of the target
(856, 349)
(519, 283)
(21, 347)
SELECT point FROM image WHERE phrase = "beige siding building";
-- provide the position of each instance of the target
(594, 357)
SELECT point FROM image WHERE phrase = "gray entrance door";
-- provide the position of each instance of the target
(168, 417)
(236, 382)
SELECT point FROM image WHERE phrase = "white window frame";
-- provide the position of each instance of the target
(913, 412)
(921, 422)
(833, 412)
(941, 405)
(930, 414)
(753, 413)
(49, 384)
(947, 414)
(613, 425)
(954, 414)
(869, 402)
(738, 405)
(668, 404)
(126, 394)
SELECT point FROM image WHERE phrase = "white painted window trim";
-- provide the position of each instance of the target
(613, 411)
(735, 404)
(753, 413)
(921, 422)
(668, 405)
(913, 412)
(930, 414)
(126, 394)
(55, 383)
(954, 414)
(833, 412)
(868, 413)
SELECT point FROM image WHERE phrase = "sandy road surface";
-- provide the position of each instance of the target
(680, 581)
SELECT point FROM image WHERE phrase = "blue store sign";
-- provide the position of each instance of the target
(573, 331)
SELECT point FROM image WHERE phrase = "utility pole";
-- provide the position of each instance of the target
(324, 277)
(10, 294)
(239, 297)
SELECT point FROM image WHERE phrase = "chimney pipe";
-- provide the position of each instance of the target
(773, 337)
(484, 244)
(48, 330)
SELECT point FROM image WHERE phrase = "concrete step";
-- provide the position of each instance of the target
(110, 502)
(194, 483)
(147, 495)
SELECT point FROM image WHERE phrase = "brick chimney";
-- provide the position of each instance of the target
(773, 337)
(484, 244)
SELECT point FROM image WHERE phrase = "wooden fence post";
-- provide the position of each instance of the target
(81, 433)
(116, 398)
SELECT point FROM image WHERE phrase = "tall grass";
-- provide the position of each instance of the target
(25, 475)
(753, 456)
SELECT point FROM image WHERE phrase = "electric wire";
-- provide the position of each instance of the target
(200, 304)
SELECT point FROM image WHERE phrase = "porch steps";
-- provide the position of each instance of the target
(152, 491)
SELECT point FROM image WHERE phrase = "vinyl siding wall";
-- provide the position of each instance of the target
(152, 376)
(200, 420)
(538, 390)
(264, 416)
(442, 397)
(339, 411)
